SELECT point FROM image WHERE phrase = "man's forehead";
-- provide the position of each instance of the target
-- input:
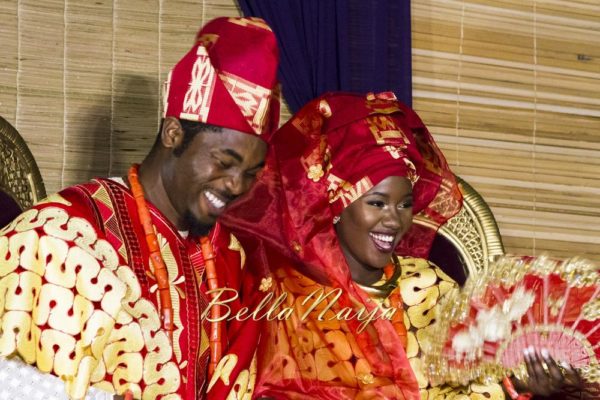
(236, 144)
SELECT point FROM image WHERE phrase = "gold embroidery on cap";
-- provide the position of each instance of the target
(208, 40)
(384, 128)
(325, 108)
(346, 192)
(250, 21)
(165, 98)
(252, 99)
(196, 103)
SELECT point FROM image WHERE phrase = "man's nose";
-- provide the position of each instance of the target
(235, 184)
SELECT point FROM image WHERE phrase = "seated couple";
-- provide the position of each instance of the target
(107, 284)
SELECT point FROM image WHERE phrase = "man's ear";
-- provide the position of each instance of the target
(172, 133)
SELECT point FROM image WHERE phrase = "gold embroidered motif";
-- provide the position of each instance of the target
(223, 370)
(208, 40)
(591, 311)
(55, 198)
(341, 190)
(165, 93)
(243, 387)
(315, 172)
(176, 293)
(79, 291)
(265, 284)
(204, 341)
(556, 304)
(250, 21)
(325, 108)
(196, 103)
(252, 99)
(101, 195)
(383, 128)
(235, 245)
(366, 379)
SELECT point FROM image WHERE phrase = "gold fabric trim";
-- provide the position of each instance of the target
(78, 293)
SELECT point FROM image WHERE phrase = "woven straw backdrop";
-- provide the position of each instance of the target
(510, 89)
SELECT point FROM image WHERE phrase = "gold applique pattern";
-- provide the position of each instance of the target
(68, 307)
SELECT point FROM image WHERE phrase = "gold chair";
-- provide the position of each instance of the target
(21, 184)
(467, 243)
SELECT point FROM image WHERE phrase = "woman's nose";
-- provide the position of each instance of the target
(392, 219)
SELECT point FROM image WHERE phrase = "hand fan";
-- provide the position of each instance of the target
(518, 302)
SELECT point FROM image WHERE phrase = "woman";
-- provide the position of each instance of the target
(333, 207)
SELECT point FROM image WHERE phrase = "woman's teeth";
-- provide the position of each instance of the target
(214, 200)
(382, 237)
(384, 243)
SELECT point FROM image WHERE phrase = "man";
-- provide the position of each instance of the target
(105, 283)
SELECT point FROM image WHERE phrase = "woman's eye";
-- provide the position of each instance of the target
(376, 203)
(406, 204)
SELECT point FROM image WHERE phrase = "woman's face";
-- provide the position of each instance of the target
(370, 228)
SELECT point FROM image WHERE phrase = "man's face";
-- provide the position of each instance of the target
(215, 169)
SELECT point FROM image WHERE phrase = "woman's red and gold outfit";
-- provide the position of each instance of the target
(328, 155)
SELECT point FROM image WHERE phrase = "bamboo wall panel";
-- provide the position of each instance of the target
(88, 90)
(40, 111)
(511, 91)
(9, 59)
(136, 80)
(509, 88)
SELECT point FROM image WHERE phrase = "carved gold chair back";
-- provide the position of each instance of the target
(21, 183)
(472, 235)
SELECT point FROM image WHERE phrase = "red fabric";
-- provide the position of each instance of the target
(329, 154)
(228, 78)
(241, 336)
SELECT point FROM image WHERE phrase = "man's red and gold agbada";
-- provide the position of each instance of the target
(79, 300)
(78, 292)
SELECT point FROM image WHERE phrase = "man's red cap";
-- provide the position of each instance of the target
(228, 78)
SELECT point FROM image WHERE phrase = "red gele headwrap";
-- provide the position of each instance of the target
(228, 78)
(360, 145)
(329, 154)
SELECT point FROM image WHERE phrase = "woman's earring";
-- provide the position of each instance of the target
(336, 219)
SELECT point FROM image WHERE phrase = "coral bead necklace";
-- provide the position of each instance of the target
(160, 268)
(162, 278)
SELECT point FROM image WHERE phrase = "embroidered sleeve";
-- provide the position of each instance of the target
(60, 295)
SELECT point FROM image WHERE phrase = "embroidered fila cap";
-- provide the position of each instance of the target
(228, 78)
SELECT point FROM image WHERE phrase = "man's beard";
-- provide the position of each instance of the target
(195, 226)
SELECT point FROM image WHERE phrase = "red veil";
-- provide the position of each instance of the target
(330, 153)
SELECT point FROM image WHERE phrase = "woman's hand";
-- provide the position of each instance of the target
(545, 376)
